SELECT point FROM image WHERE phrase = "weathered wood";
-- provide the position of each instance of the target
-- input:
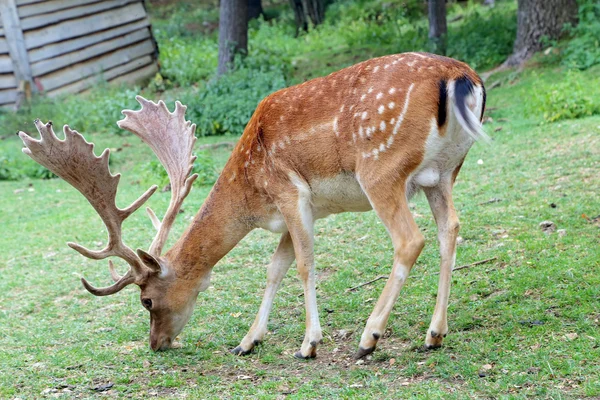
(137, 75)
(37, 21)
(95, 65)
(8, 96)
(52, 64)
(3, 46)
(24, 2)
(88, 24)
(79, 86)
(8, 81)
(57, 49)
(6, 64)
(50, 6)
(15, 40)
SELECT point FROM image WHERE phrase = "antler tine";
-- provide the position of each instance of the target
(73, 159)
(172, 139)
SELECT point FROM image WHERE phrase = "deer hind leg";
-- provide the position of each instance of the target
(297, 212)
(392, 208)
(280, 264)
(442, 207)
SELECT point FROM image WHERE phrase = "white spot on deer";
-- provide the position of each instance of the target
(391, 105)
(342, 108)
(281, 117)
(386, 66)
(390, 141)
(376, 69)
(258, 148)
(381, 109)
(363, 97)
(366, 155)
(411, 63)
(351, 107)
(287, 140)
(371, 88)
(392, 91)
(335, 126)
(362, 80)
(246, 164)
(356, 114)
(364, 115)
(368, 132)
(273, 148)
(379, 95)
(281, 145)
(392, 121)
(253, 162)
(232, 177)
(354, 137)
(354, 91)
(404, 109)
(382, 126)
(376, 154)
(381, 148)
(361, 132)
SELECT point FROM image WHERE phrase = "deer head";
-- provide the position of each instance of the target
(169, 299)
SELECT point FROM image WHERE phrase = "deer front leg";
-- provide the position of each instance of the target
(280, 264)
(297, 212)
(392, 208)
(442, 207)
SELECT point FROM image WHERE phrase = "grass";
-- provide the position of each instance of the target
(523, 325)
(528, 320)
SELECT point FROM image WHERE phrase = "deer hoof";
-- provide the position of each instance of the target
(299, 355)
(238, 351)
(363, 352)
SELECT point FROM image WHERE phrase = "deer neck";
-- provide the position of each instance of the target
(217, 228)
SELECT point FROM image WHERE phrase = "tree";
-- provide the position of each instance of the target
(233, 32)
(254, 9)
(438, 29)
(308, 10)
(538, 19)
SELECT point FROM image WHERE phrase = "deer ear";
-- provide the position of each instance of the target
(149, 261)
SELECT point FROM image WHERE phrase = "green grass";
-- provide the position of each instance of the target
(516, 314)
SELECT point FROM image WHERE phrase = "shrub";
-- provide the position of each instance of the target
(225, 105)
(583, 50)
(567, 98)
(204, 166)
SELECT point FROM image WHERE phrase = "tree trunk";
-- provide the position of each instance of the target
(233, 32)
(438, 30)
(537, 19)
(308, 10)
(255, 9)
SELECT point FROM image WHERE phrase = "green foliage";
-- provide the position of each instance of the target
(204, 166)
(583, 50)
(483, 38)
(569, 98)
(96, 111)
(225, 105)
(17, 168)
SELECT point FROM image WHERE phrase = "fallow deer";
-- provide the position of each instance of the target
(366, 137)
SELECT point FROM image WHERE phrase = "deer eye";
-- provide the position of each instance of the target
(147, 303)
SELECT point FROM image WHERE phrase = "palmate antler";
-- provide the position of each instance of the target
(171, 138)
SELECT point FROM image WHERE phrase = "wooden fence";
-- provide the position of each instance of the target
(66, 46)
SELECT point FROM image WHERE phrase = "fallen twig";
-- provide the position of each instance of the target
(492, 200)
(474, 264)
(214, 146)
(366, 283)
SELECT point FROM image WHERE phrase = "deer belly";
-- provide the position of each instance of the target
(337, 194)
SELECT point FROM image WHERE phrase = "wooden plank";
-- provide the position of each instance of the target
(24, 2)
(8, 96)
(6, 64)
(85, 25)
(3, 46)
(95, 65)
(137, 75)
(37, 21)
(56, 49)
(27, 10)
(87, 83)
(15, 40)
(8, 81)
(45, 66)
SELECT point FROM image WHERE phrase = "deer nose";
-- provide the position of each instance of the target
(158, 343)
